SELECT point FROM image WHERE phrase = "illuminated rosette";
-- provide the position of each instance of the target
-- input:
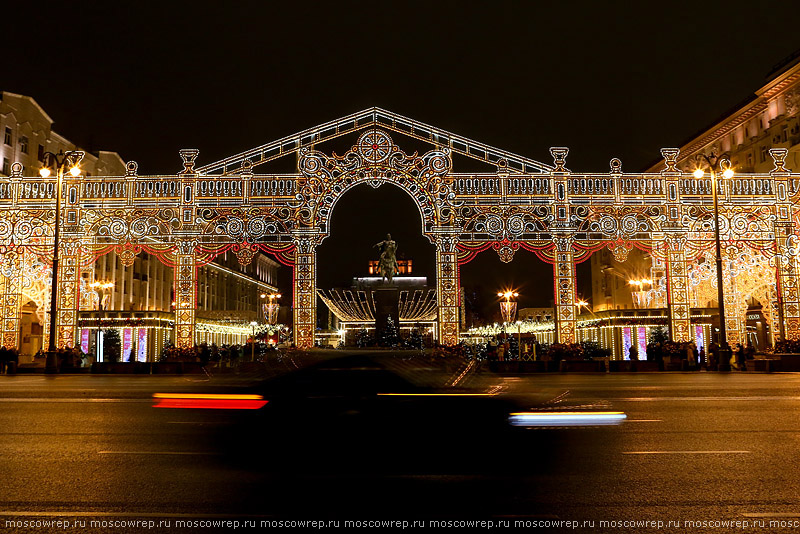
(375, 146)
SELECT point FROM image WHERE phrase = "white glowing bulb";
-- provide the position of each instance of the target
(698, 173)
(75, 171)
(44, 172)
(728, 173)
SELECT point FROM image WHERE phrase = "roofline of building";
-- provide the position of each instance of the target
(33, 101)
(740, 113)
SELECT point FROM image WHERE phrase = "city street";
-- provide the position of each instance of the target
(700, 446)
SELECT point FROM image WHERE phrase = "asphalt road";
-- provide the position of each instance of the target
(695, 447)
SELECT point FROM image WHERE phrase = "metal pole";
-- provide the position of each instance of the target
(51, 363)
(724, 351)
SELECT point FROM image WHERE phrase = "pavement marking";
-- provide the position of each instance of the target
(773, 514)
(66, 513)
(686, 452)
(196, 422)
(162, 453)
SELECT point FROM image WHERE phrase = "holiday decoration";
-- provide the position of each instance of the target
(186, 220)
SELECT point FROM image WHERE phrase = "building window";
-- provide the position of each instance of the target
(8, 136)
(40, 153)
(763, 154)
(6, 167)
(23, 144)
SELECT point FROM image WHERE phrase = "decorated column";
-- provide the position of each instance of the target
(68, 299)
(735, 306)
(305, 289)
(185, 284)
(787, 283)
(564, 290)
(447, 291)
(10, 288)
(788, 247)
(678, 303)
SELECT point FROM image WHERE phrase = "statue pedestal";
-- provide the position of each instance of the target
(387, 300)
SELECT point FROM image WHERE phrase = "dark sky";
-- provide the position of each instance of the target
(607, 79)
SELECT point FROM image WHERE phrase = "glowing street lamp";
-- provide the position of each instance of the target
(508, 308)
(714, 163)
(640, 295)
(270, 309)
(59, 163)
(100, 288)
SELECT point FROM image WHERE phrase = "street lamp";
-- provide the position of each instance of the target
(60, 163)
(640, 301)
(714, 164)
(271, 309)
(100, 288)
(508, 309)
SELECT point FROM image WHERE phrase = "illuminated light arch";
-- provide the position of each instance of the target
(560, 215)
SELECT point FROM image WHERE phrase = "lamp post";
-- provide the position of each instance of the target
(508, 309)
(271, 313)
(583, 304)
(713, 161)
(639, 294)
(100, 288)
(60, 163)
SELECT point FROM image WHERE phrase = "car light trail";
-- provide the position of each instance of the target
(533, 419)
(213, 401)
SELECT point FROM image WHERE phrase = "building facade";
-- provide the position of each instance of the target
(228, 293)
(28, 133)
(769, 118)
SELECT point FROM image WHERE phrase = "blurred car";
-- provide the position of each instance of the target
(359, 411)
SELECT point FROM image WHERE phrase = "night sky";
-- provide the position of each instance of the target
(605, 79)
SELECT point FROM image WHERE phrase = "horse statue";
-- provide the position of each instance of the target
(387, 265)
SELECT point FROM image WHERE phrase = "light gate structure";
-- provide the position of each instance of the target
(187, 219)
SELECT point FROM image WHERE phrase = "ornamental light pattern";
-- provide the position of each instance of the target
(187, 219)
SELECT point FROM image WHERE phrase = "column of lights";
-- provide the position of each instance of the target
(714, 163)
(60, 162)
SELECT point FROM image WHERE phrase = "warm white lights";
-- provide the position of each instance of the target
(698, 173)
(44, 172)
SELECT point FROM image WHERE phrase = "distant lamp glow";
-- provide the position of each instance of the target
(727, 173)
(698, 173)
(582, 303)
(44, 172)
(75, 171)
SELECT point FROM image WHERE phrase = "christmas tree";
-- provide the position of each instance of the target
(363, 338)
(389, 336)
(415, 340)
